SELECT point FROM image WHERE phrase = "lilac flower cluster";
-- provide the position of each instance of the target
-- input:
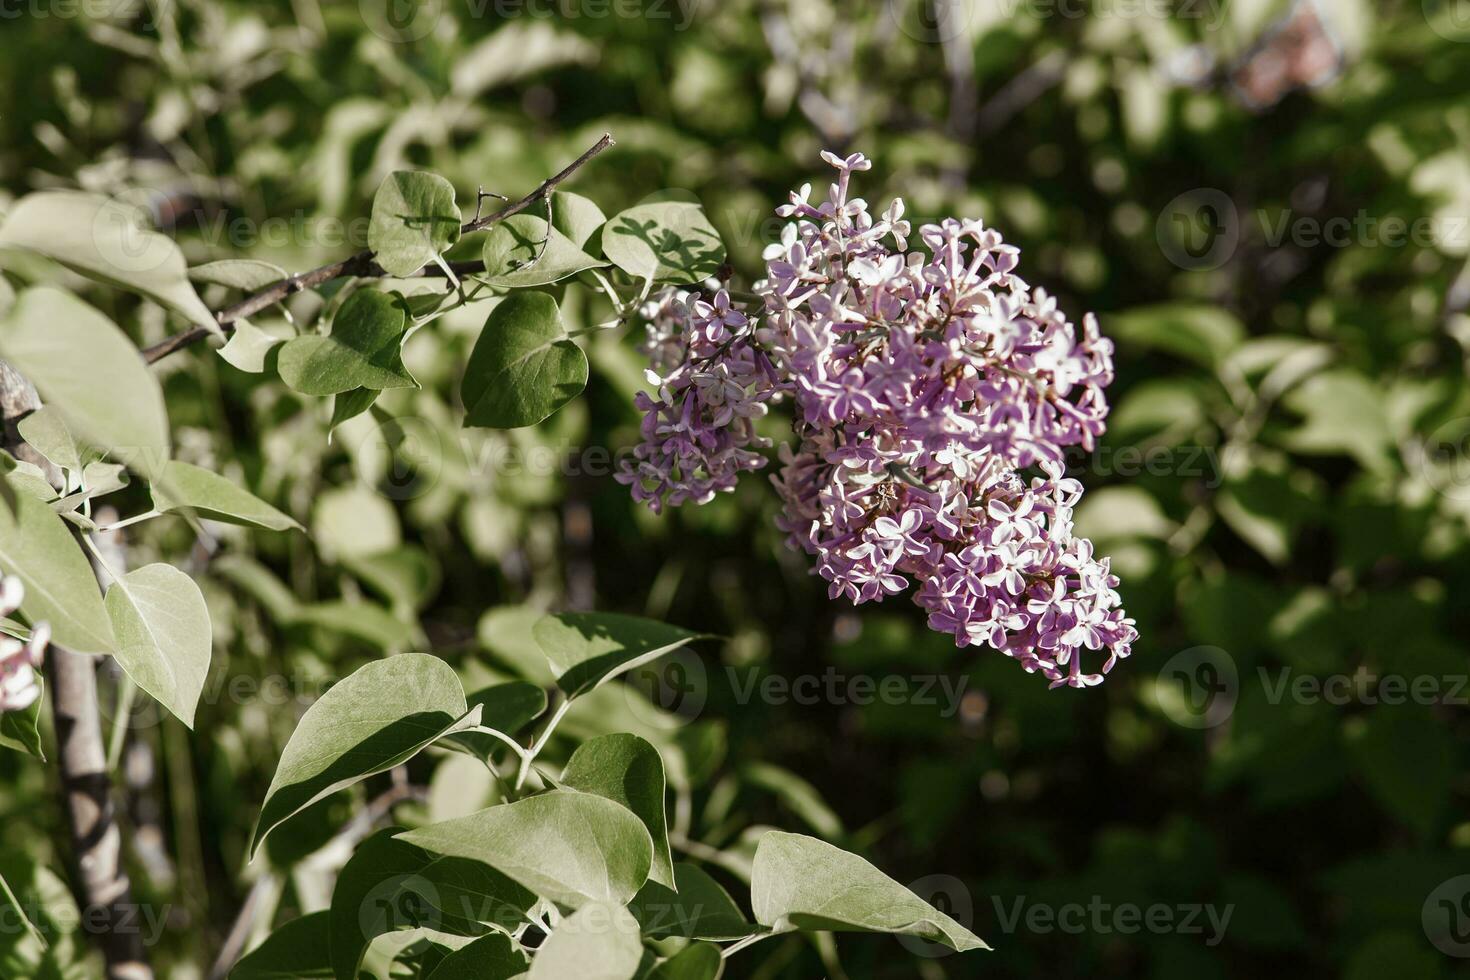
(935, 394)
(19, 686)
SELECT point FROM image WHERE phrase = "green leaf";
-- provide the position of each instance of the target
(700, 961)
(701, 909)
(364, 349)
(20, 730)
(60, 589)
(389, 884)
(46, 432)
(380, 716)
(249, 347)
(43, 936)
(628, 770)
(586, 650)
(246, 275)
(492, 957)
(800, 882)
(184, 486)
(508, 632)
(664, 241)
(798, 794)
(407, 576)
(108, 398)
(349, 405)
(295, 951)
(576, 217)
(1203, 334)
(599, 941)
(107, 240)
(1407, 760)
(364, 621)
(414, 220)
(354, 522)
(568, 847)
(163, 635)
(1344, 414)
(507, 708)
(512, 248)
(523, 367)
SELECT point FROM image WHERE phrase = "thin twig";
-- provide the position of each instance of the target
(362, 265)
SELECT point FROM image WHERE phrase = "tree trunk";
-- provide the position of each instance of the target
(108, 910)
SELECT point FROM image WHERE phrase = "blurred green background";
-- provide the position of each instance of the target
(1267, 204)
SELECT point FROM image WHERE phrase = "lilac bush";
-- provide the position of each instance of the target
(934, 392)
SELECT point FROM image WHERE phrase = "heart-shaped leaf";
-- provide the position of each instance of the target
(492, 957)
(519, 251)
(414, 220)
(107, 398)
(577, 217)
(60, 589)
(163, 635)
(184, 486)
(664, 241)
(364, 349)
(295, 951)
(568, 847)
(380, 716)
(523, 367)
(46, 432)
(389, 884)
(599, 941)
(586, 650)
(701, 909)
(110, 241)
(628, 770)
(800, 882)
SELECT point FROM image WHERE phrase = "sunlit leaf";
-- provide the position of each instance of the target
(414, 219)
(568, 847)
(108, 240)
(163, 635)
(801, 882)
(664, 241)
(380, 716)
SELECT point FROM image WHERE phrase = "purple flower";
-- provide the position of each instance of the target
(929, 387)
